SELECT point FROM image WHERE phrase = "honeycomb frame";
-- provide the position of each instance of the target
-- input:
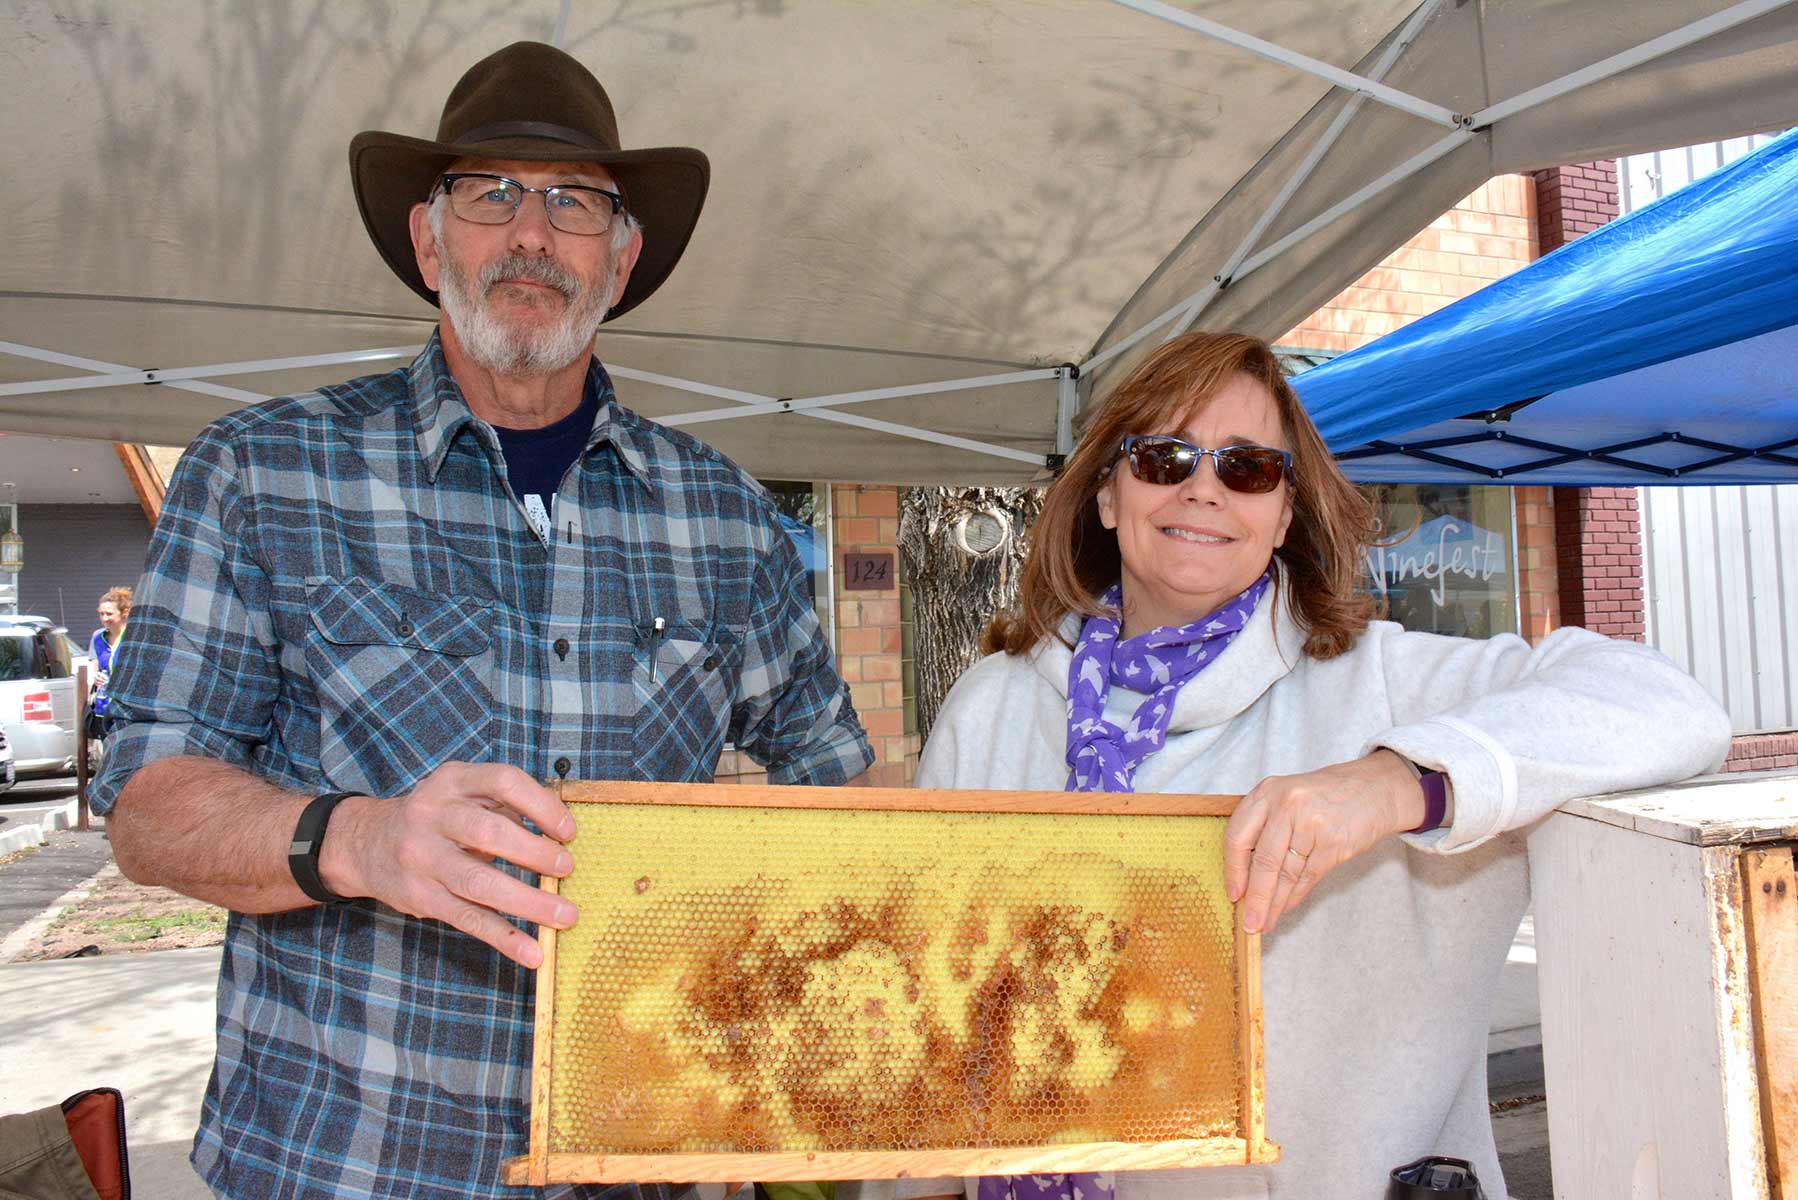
(578, 993)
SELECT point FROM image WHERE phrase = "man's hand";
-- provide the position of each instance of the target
(1292, 830)
(430, 853)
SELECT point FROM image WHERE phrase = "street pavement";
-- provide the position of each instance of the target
(38, 879)
(143, 1023)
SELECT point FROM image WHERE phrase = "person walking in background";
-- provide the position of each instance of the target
(114, 610)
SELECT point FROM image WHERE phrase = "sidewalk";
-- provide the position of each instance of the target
(139, 1022)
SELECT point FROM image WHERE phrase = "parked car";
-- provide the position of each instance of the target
(39, 710)
(6, 764)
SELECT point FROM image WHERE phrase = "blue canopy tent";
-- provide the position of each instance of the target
(1660, 348)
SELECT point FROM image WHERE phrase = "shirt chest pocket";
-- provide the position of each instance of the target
(685, 677)
(403, 681)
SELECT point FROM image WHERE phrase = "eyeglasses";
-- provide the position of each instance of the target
(494, 200)
(1164, 460)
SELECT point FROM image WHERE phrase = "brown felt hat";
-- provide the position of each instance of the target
(534, 103)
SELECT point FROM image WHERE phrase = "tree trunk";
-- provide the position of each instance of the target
(964, 552)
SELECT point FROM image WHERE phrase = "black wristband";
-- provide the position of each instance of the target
(308, 840)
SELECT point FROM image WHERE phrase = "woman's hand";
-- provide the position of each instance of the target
(1292, 830)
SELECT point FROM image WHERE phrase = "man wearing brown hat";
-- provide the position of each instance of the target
(374, 615)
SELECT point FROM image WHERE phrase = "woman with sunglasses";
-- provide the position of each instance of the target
(1189, 621)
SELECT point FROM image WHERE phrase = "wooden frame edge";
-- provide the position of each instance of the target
(543, 1027)
(541, 1167)
(1251, 1028)
(745, 795)
(870, 1164)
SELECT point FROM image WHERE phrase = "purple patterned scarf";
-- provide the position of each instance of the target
(1084, 1186)
(1102, 757)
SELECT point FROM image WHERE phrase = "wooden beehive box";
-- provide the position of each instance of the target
(1667, 941)
(831, 983)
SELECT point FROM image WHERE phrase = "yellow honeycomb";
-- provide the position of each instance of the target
(747, 980)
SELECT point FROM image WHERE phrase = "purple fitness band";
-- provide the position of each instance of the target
(1435, 800)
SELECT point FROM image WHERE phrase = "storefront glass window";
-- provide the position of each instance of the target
(1443, 561)
(804, 510)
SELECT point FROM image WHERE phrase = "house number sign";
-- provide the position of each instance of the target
(868, 572)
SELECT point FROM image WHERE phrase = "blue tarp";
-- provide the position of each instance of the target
(1660, 348)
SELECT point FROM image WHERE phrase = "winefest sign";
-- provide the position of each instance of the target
(1439, 553)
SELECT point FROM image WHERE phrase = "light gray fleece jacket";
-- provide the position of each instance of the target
(1378, 989)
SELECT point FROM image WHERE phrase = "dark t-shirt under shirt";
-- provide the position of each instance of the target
(536, 459)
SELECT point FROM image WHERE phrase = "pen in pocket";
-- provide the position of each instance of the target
(655, 645)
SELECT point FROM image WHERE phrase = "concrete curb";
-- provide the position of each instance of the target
(21, 838)
(37, 834)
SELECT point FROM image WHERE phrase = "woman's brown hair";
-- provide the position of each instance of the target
(1074, 558)
(119, 598)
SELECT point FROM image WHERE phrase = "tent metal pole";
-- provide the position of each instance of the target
(767, 404)
(1116, 348)
(926, 435)
(561, 30)
(1201, 299)
(124, 377)
(18, 350)
(1392, 178)
(1067, 403)
(688, 385)
(762, 408)
(1359, 84)
(1654, 48)
(39, 354)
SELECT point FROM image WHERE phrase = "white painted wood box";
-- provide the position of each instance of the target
(1667, 936)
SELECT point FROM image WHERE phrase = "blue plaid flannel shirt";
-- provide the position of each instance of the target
(342, 594)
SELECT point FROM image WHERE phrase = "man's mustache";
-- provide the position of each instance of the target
(532, 268)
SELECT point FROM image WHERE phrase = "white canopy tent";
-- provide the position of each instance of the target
(935, 227)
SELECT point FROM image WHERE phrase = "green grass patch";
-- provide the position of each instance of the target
(142, 929)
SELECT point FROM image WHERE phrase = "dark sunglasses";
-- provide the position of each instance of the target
(1164, 460)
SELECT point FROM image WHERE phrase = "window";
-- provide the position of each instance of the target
(1443, 560)
(34, 654)
(804, 510)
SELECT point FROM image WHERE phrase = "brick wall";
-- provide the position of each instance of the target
(1485, 237)
(1598, 535)
(1538, 581)
(1763, 752)
(866, 521)
(1574, 199)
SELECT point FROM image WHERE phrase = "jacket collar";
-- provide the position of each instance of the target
(440, 414)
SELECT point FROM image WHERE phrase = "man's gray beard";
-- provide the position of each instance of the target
(492, 345)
